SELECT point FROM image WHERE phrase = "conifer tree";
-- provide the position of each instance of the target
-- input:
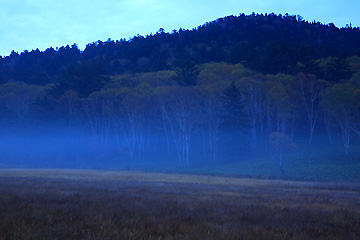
(186, 74)
(234, 117)
(234, 122)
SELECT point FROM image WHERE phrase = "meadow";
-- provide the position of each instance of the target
(89, 204)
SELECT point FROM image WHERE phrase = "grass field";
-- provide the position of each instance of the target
(78, 204)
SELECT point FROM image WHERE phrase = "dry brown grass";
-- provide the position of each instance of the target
(75, 204)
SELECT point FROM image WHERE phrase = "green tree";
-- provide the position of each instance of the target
(214, 72)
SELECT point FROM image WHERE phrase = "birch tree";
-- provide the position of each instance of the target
(209, 119)
(253, 93)
(310, 88)
(343, 100)
(280, 108)
(70, 101)
(132, 117)
(179, 111)
(19, 97)
(99, 109)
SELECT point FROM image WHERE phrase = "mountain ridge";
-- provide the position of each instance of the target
(267, 43)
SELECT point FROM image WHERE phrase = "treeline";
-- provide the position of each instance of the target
(213, 111)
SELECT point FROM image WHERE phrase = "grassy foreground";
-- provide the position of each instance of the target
(78, 204)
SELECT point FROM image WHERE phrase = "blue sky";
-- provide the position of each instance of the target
(31, 24)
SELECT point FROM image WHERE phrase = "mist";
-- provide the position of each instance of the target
(64, 147)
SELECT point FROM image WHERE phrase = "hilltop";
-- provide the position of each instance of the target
(267, 43)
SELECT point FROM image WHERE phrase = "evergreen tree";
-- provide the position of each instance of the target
(234, 123)
(82, 77)
(337, 69)
(234, 117)
(186, 74)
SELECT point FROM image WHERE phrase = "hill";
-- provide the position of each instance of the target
(268, 43)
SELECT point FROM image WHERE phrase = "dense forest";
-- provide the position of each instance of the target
(228, 90)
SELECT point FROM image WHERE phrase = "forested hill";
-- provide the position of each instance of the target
(255, 87)
(267, 43)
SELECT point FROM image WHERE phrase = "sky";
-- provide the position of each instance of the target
(31, 24)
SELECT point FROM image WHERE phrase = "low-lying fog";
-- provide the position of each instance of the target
(280, 156)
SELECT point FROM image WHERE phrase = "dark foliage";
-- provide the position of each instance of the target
(336, 70)
(186, 74)
(234, 124)
(233, 115)
(266, 43)
(82, 77)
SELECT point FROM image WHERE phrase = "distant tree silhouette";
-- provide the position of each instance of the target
(337, 69)
(18, 98)
(234, 121)
(233, 113)
(82, 77)
(266, 43)
(186, 74)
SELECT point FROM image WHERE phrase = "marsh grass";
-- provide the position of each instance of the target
(74, 204)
